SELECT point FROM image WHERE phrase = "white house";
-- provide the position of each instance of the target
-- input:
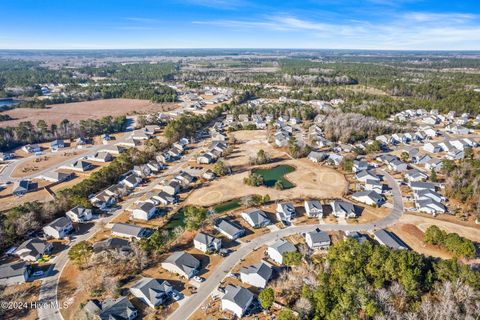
(432, 148)
(257, 275)
(145, 211)
(58, 228)
(276, 250)
(317, 240)
(371, 198)
(182, 263)
(33, 249)
(152, 292)
(285, 212)
(236, 300)
(79, 214)
(229, 229)
(255, 218)
(313, 208)
(207, 243)
(343, 209)
(415, 175)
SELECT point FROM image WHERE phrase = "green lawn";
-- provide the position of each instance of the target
(272, 175)
(227, 206)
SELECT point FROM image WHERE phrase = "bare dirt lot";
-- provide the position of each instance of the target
(423, 222)
(311, 181)
(77, 111)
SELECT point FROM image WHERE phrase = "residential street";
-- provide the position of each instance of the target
(193, 302)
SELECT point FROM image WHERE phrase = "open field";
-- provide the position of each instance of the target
(36, 164)
(310, 180)
(423, 222)
(413, 237)
(77, 111)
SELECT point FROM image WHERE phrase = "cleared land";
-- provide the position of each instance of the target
(77, 111)
(310, 180)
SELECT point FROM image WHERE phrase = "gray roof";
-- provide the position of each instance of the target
(238, 295)
(257, 216)
(118, 309)
(262, 269)
(59, 176)
(154, 290)
(60, 223)
(79, 211)
(13, 269)
(422, 185)
(369, 193)
(204, 238)
(184, 261)
(340, 205)
(319, 236)
(283, 246)
(229, 227)
(35, 246)
(146, 206)
(127, 229)
(314, 204)
(21, 186)
(111, 244)
(389, 239)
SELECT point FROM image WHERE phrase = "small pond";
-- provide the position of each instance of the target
(272, 175)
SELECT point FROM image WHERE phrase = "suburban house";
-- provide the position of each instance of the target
(185, 178)
(4, 156)
(456, 154)
(109, 309)
(365, 175)
(428, 194)
(172, 187)
(276, 250)
(229, 229)
(374, 185)
(145, 211)
(313, 208)
(79, 214)
(434, 164)
(207, 243)
(130, 231)
(206, 158)
(359, 165)
(55, 176)
(79, 165)
(182, 263)
(236, 300)
(32, 148)
(164, 198)
(343, 209)
(371, 198)
(285, 212)
(152, 292)
(142, 171)
(20, 187)
(317, 157)
(154, 166)
(256, 218)
(257, 275)
(58, 228)
(397, 165)
(430, 206)
(113, 149)
(131, 181)
(57, 144)
(33, 249)
(415, 175)
(389, 239)
(432, 148)
(104, 200)
(101, 156)
(14, 273)
(317, 239)
(112, 244)
(416, 186)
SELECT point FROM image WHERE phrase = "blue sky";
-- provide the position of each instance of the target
(335, 24)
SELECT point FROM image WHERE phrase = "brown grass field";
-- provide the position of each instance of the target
(77, 111)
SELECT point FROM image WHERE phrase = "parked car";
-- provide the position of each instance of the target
(177, 295)
(198, 279)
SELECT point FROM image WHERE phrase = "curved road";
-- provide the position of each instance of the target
(49, 286)
(192, 303)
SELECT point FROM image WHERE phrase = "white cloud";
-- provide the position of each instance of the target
(412, 30)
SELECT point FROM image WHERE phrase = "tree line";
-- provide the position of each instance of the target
(26, 132)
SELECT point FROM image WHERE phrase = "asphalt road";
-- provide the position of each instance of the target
(192, 303)
(49, 286)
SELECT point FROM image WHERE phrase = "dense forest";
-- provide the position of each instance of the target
(26, 132)
(369, 281)
(462, 182)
